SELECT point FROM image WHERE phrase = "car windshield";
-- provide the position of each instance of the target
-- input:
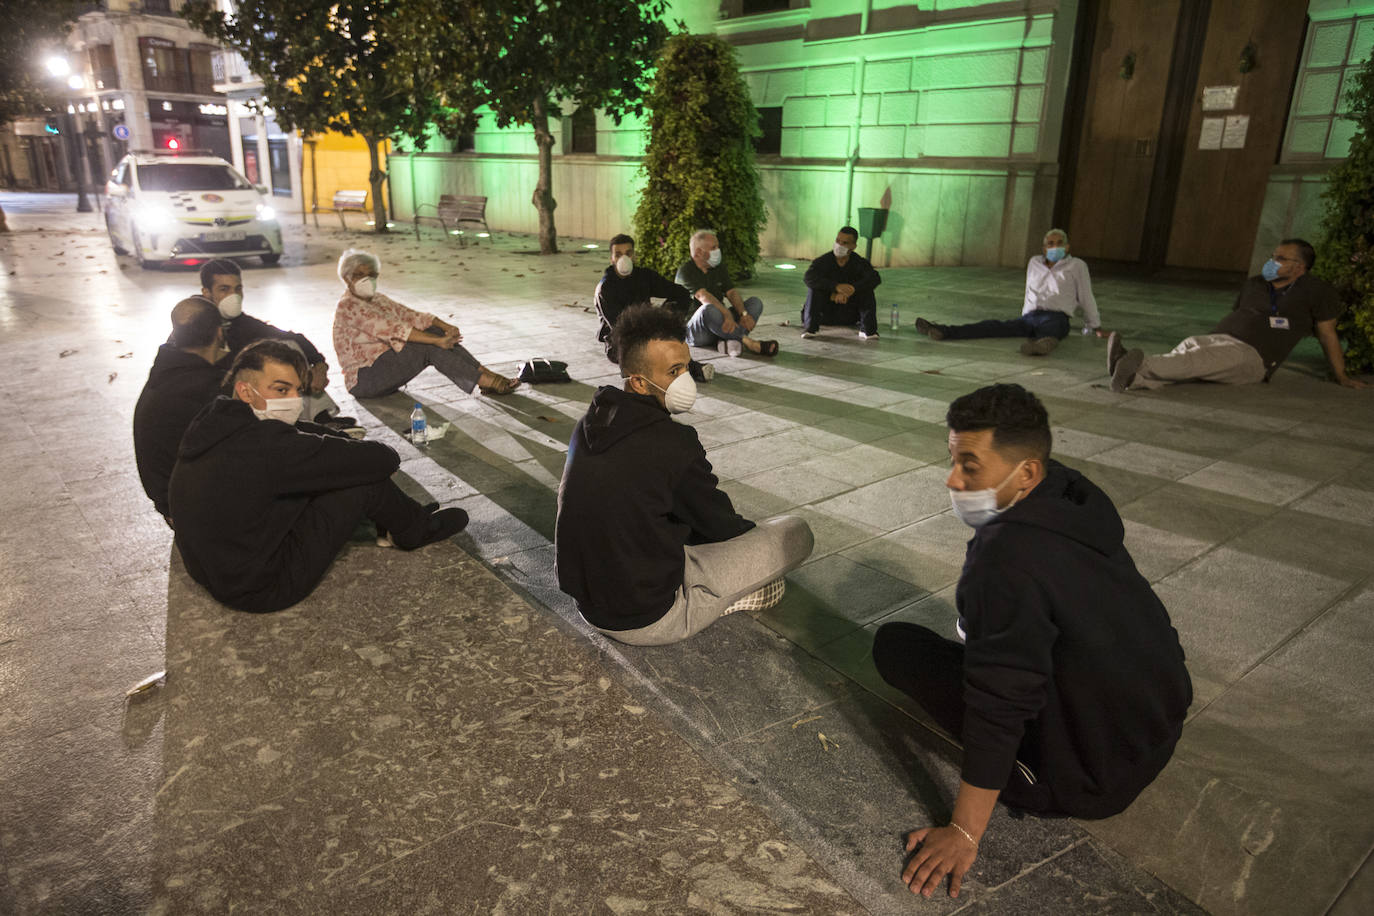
(186, 176)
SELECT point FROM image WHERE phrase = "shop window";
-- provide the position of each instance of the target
(583, 131)
(769, 140)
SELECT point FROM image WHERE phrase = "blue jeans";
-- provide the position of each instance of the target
(1039, 323)
(704, 327)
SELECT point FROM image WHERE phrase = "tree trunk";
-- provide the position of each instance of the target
(543, 191)
(375, 179)
(4, 224)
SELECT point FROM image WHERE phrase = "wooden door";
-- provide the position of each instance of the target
(1220, 191)
(1131, 53)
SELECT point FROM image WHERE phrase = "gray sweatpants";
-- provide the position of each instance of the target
(394, 368)
(717, 575)
(1204, 358)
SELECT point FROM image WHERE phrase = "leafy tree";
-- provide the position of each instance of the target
(699, 164)
(1347, 245)
(359, 67)
(32, 29)
(529, 54)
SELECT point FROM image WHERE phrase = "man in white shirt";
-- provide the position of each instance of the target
(1057, 285)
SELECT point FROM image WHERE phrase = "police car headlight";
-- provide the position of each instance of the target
(266, 213)
(153, 219)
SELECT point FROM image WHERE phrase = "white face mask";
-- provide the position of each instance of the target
(231, 306)
(713, 258)
(840, 251)
(287, 410)
(680, 394)
(365, 288)
(976, 508)
(624, 265)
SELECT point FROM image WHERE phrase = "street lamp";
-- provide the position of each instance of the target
(59, 68)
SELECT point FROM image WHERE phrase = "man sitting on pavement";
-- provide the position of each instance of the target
(724, 320)
(1068, 688)
(839, 289)
(1057, 285)
(262, 506)
(184, 378)
(625, 283)
(221, 281)
(1271, 314)
(645, 541)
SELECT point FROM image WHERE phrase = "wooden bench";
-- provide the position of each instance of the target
(344, 202)
(452, 211)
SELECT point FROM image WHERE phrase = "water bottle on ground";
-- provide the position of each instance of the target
(896, 317)
(419, 429)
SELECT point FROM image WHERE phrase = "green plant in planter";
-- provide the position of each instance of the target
(699, 164)
(1346, 252)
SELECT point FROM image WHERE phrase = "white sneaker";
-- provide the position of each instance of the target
(865, 336)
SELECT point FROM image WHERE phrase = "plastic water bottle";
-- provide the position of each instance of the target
(419, 429)
(896, 317)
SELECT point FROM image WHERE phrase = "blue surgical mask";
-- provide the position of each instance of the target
(1055, 254)
(1270, 270)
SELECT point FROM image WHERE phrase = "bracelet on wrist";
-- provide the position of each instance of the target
(968, 836)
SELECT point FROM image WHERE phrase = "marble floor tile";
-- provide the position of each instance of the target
(1335, 649)
(929, 554)
(1151, 460)
(860, 464)
(895, 502)
(850, 590)
(1252, 483)
(1157, 552)
(1348, 504)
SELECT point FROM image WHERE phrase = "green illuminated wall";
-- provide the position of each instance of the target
(955, 120)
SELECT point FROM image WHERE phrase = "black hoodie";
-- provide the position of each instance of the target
(241, 483)
(178, 386)
(1065, 638)
(636, 489)
(615, 293)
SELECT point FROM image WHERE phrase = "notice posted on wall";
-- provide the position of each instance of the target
(1212, 129)
(1219, 98)
(1233, 135)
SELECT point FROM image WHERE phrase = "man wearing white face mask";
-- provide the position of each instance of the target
(1057, 285)
(263, 503)
(625, 283)
(723, 319)
(1069, 690)
(647, 543)
(221, 281)
(839, 289)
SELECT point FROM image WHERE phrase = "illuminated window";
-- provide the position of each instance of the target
(164, 65)
(583, 131)
(202, 67)
(769, 141)
(103, 69)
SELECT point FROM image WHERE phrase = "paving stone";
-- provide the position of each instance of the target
(895, 502)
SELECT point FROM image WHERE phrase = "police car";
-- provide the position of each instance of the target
(187, 206)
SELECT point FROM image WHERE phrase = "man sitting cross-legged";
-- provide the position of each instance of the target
(1068, 689)
(646, 542)
(262, 505)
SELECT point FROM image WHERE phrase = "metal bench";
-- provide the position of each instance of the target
(344, 202)
(452, 211)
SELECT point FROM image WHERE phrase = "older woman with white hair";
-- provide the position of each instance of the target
(381, 344)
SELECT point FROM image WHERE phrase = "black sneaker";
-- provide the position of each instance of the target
(1039, 346)
(701, 372)
(930, 330)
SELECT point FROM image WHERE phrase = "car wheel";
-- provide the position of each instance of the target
(114, 242)
(269, 259)
(145, 263)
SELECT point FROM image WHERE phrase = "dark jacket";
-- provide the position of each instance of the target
(178, 386)
(241, 483)
(615, 293)
(242, 329)
(636, 489)
(825, 273)
(1067, 642)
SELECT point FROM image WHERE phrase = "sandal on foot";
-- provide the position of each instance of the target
(501, 385)
(768, 348)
